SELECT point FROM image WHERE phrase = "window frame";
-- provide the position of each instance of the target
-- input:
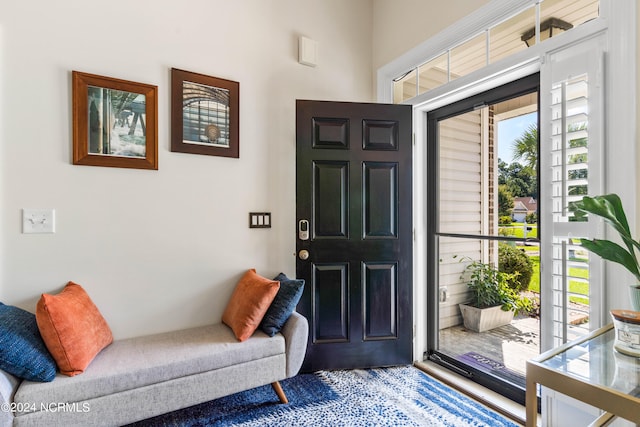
(617, 19)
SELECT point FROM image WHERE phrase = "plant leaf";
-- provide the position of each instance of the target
(612, 252)
(609, 207)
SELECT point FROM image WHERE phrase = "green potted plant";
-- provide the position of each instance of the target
(609, 207)
(493, 302)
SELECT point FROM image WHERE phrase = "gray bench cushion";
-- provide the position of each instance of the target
(137, 362)
(8, 385)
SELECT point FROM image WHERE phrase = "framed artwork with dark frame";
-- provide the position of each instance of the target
(115, 122)
(204, 114)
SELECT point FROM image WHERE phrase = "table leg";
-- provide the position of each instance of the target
(531, 402)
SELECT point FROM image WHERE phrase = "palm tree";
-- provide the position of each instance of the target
(525, 147)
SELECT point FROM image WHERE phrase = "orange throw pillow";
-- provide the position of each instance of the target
(248, 304)
(72, 328)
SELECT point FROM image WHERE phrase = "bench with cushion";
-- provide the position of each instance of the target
(137, 378)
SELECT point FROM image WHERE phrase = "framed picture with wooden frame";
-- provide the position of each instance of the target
(115, 122)
(204, 114)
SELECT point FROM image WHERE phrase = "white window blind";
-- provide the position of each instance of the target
(571, 153)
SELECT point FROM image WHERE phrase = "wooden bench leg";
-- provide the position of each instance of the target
(278, 389)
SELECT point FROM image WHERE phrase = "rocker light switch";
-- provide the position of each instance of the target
(38, 221)
(259, 219)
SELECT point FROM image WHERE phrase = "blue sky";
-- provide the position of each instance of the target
(511, 129)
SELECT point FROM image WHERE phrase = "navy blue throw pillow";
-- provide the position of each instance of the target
(283, 304)
(22, 351)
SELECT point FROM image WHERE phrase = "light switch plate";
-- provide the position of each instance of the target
(38, 221)
(259, 219)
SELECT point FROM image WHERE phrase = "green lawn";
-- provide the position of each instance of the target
(516, 229)
(534, 285)
(574, 286)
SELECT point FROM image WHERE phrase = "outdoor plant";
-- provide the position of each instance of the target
(505, 220)
(609, 207)
(514, 260)
(490, 288)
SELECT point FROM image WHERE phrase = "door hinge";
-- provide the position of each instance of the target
(413, 138)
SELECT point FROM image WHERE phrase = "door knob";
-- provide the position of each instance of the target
(303, 254)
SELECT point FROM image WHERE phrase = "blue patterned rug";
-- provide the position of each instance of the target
(402, 396)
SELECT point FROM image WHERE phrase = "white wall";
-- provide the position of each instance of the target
(162, 250)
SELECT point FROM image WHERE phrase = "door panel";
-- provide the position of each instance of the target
(380, 192)
(330, 301)
(380, 296)
(331, 198)
(354, 187)
(330, 133)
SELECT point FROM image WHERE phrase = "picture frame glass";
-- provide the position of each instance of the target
(205, 115)
(117, 123)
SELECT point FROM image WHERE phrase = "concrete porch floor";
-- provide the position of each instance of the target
(511, 345)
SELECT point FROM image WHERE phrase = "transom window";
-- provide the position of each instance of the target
(535, 23)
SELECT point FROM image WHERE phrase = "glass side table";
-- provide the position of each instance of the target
(589, 370)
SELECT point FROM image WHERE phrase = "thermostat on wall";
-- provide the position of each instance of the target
(307, 51)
